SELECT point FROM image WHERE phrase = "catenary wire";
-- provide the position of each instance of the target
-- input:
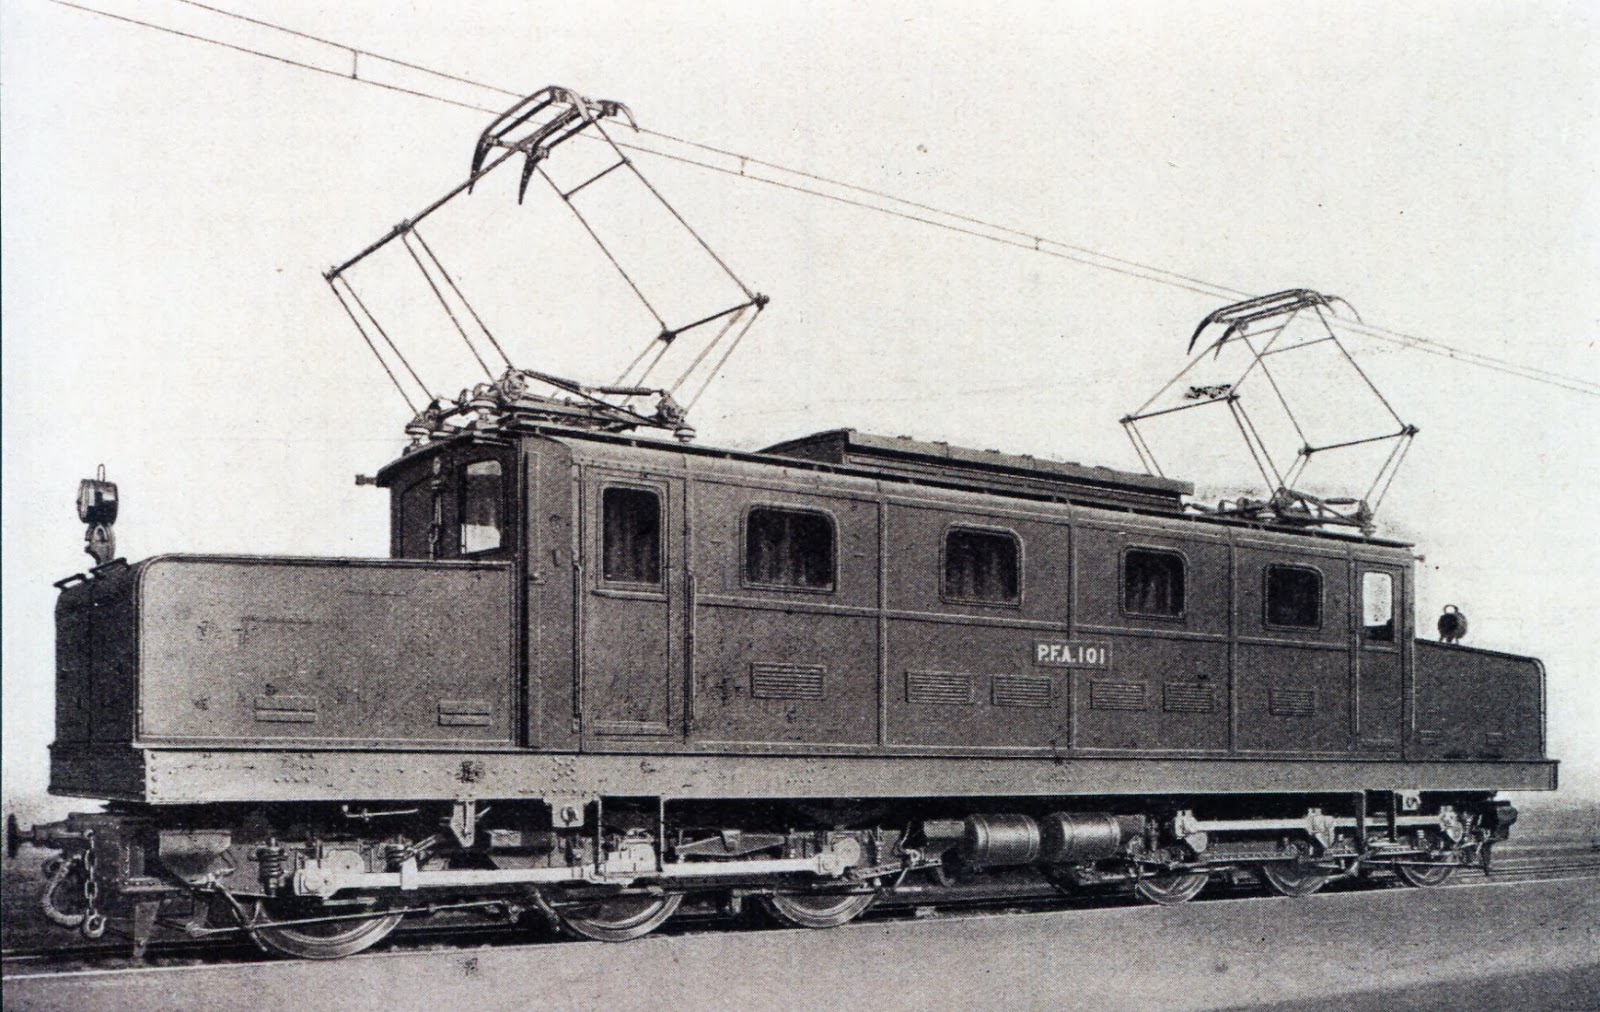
(1025, 240)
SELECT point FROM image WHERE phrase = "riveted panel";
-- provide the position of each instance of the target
(235, 649)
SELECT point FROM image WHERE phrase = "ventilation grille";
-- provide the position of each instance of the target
(1020, 690)
(786, 681)
(1116, 696)
(946, 687)
(1292, 702)
(1182, 697)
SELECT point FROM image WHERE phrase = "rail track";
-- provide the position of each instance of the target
(1015, 893)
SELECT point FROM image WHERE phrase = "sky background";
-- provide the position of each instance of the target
(168, 207)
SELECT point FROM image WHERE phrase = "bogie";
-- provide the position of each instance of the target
(324, 882)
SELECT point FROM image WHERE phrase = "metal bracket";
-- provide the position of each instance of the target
(464, 822)
(567, 810)
(1191, 831)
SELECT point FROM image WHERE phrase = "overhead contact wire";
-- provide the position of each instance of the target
(1357, 367)
(349, 49)
(1035, 243)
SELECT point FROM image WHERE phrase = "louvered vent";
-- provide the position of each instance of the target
(1020, 690)
(1185, 697)
(1292, 702)
(786, 681)
(1116, 696)
(946, 687)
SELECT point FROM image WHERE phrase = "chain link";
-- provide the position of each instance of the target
(94, 922)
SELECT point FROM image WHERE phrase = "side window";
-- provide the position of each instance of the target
(1294, 597)
(482, 507)
(788, 548)
(632, 535)
(1152, 583)
(1377, 607)
(983, 567)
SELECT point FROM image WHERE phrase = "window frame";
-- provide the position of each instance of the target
(658, 586)
(1266, 597)
(1182, 616)
(1392, 644)
(944, 571)
(742, 548)
(505, 525)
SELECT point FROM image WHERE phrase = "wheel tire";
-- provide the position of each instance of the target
(1426, 876)
(818, 910)
(331, 940)
(620, 918)
(1293, 878)
(1171, 889)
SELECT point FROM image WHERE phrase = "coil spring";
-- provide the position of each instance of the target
(274, 862)
(395, 854)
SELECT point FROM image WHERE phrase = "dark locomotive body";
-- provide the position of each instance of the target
(600, 673)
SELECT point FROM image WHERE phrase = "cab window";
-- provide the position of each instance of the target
(1377, 607)
(482, 507)
(632, 535)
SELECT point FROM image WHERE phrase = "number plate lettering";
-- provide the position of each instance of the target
(1071, 654)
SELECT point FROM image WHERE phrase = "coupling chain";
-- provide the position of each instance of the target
(94, 922)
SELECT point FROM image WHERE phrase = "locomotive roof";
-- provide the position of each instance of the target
(898, 458)
(988, 470)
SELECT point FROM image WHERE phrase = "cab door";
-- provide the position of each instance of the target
(1379, 631)
(632, 592)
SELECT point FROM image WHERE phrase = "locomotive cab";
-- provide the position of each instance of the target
(453, 500)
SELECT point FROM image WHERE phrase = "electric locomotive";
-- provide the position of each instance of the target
(603, 672)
